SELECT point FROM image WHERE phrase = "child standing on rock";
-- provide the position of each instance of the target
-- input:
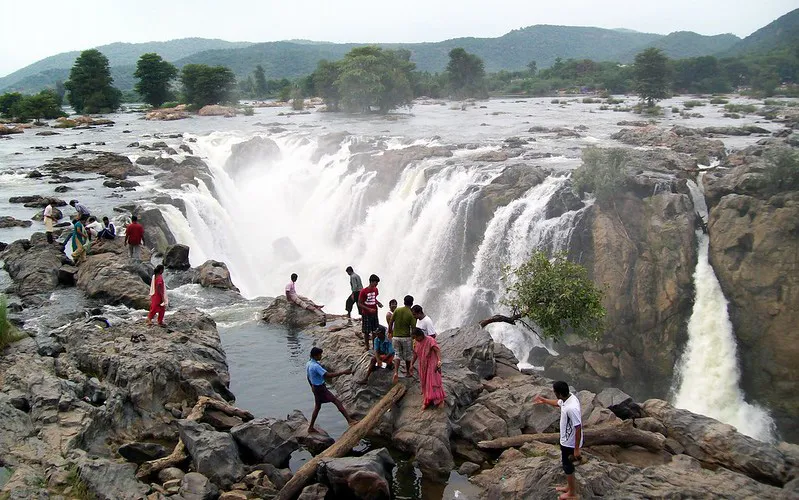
(317, 376)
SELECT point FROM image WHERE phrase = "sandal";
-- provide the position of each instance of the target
(141, 337)
(134, 338)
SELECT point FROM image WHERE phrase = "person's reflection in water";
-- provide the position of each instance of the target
(294, 346)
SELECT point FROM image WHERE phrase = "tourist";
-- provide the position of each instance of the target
(134, 239)
(367, 300)
(82, 212)
(403, 323)
(355, 288)
(291, 296)
(109, 232)
(423, 321)
(80, 241)
(158, 298)
(49, 220)
(384, 352)
(429, 355)
(392, 306)
(93, 227)
(317, 376)
(571, 433)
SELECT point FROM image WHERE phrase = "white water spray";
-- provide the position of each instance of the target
(707, 375)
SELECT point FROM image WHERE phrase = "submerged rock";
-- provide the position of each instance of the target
(367, 476)
(258, 151)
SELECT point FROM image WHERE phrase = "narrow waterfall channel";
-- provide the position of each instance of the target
(707, 376)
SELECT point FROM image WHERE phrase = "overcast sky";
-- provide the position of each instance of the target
(34, 29)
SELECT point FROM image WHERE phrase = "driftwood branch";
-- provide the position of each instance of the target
(344, 445)
(178, 455)
(623, 434)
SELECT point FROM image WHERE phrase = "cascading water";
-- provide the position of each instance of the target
(707, 375)
(412, 234)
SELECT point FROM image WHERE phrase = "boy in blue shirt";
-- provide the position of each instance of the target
(317, 376)
(384, 352)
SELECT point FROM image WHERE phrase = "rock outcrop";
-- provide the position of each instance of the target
(108, 164)
(258, 151)
(33, 265)
(109, 275)
(282, 312)
(679, 139)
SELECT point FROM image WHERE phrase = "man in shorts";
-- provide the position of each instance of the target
(571, 433)
(317, 376)
(403, 324)
(367, 300)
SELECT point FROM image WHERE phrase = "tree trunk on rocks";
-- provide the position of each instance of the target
(499, 318)
(179, 453)
(346, 442)
(624, 434)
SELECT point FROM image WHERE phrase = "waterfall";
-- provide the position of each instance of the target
(707, 376)
(315, 216)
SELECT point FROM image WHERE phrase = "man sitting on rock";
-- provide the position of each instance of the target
(291, 296)
(109, 232)
(571, 433)
(384, 353)
(317, 376)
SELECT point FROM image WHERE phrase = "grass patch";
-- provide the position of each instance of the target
(590, 100)
(248, 111)
(740, 108)
(693, 104)
(719, 100)
(77, 487)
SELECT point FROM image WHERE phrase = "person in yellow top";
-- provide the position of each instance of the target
(401, 325)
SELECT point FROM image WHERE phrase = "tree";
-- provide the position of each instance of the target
(466, 74)
(7, 103)
(375, 78)
(89, 84)
(260, 87)
(603, 173)
(203, 84)
(324, 81)
(42, 105)
(554, 293)
(652, 75)
(155, 76)
(532, 67)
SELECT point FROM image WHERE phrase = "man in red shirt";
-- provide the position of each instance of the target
(367, 300)
(134, 238)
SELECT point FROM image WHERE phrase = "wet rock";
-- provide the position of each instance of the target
(679, 139)
(468, 468)
(111, 276)
(213, 454)
(157, 234)
(196, 486)
(367, 476)
(35, 174)
(219, 420)
(258, 152)
(627, 409)
(214, 274)
(170, 473)
(272, 441)
(145, 160)
(329, 144)
(281, 312)
(6, 130)
(120, 183)
(168, 114)
(62, 189)
(601, 364)
(33, 265)
(110, 165)
(112, 481)
(217, 110)
(66, 275)
(47, 345)
(713, 442)
(177, 257)
(37, 201)
(139, 453)
(564, 200)
(188, 171)
(8, 221)
(743, 130)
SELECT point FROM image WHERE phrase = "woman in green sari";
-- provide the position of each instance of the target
(80, 241)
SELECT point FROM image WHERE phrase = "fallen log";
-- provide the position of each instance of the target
(344, 445)
(178, 455)
(621, 434)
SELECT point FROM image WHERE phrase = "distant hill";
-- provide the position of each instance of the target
(45, 72)
(512, 51)
(687, 44)
(784, 32)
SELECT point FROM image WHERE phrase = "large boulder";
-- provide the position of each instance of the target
(7, 221)
(37, 201)
(367, 476)
(110, 165)
(282, 312)
(267, 440)
(34, 266)
(111, 481)
(213, 454)
(177, 257)
(113, 278)
(215, 274)
(157, 234)
(217, 110)
(719, 444)
(190, 171)
(258, 151)
(472, 346)
(679, 139)
(139, 453)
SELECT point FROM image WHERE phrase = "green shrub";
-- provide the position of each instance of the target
(693, 104)
(604, 107)
(675, 109)
(78, 487)
(611, 100)
(643, 109)
(249, 111)
(719, 100)
(589, 100)
(170, 104)
(740, 108)
(554, 101)
(782, 173)
(602, 173)
(732, 115)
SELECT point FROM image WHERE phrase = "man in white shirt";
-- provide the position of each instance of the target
(571, 433)
(423, 321)
(48, 218)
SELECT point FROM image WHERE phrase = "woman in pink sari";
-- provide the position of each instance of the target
(429, 355)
